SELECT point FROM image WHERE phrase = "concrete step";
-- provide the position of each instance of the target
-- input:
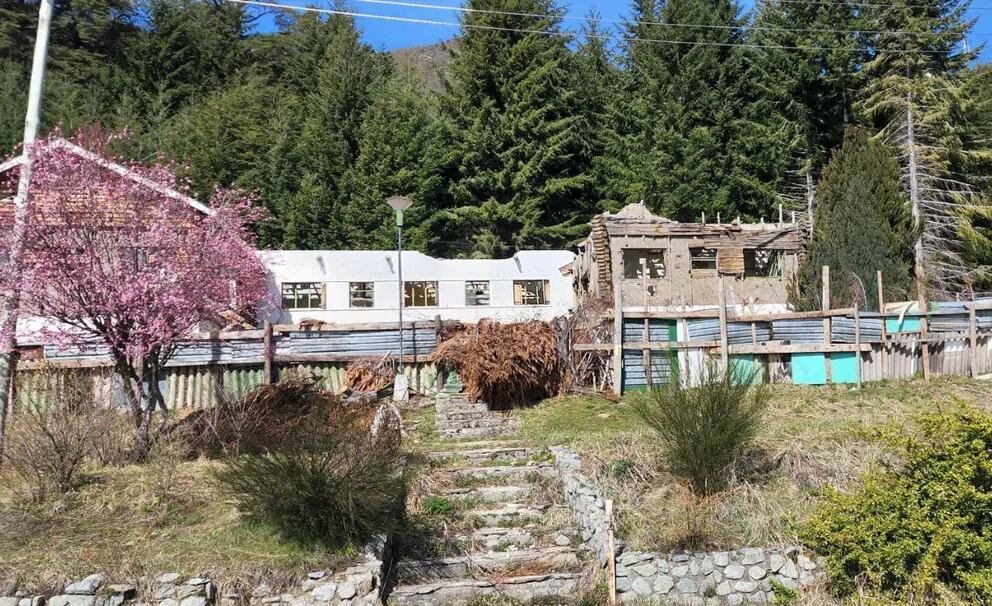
(506, 514)
(481, 565)
(490, 494)
(499, 538)
(476, 432)
(526, 589)
(507, 472)
(481, 420)
(449, 404)
(481, 444)
(482, 455)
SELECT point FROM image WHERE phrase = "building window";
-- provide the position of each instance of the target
(531, 292)
(420, 294)
(361, 294)
(653, 260)
(476, 293)
(703, 259)
(302, 295)
(764, 263)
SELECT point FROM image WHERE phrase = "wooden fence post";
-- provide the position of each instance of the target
(617, 333)
(972, 342)
(857, 344)
(724, 348)
(646, 354)
(885, 335)
(268, 352)
(827, 337)
(611, 555)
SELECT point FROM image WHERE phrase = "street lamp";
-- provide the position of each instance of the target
(401, 389)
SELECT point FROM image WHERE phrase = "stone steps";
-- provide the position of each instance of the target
(484, 565)
(499, 538)
(528, 588)
(457, 417)
(490, 494)
(506, 472)
(483, 455)
(507, 514)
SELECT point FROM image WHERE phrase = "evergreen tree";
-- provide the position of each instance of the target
(862, 226)
(515, 130)
(911, 81)
(401, 152)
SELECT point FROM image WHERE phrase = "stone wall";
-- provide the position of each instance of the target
(743, 576)
(357, 585)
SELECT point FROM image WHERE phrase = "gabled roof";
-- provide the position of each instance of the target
(114, 167)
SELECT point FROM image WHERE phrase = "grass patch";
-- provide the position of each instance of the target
(811, 438)
(134, 521)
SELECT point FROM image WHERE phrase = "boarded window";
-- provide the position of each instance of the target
(702, 259)
(764, 263)
(652, 260)
(302, 295)
(731, 260)
(420, 294)
(531, 292)
(477, 293)
(361, 294)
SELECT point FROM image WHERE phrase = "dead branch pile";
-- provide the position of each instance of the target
(589, 323)
(504, 364)
(370, 374)
(270, 416)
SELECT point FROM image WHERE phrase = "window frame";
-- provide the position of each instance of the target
(776, 259)
(296, 296)
(369, 290)
(472, 299)
(410, 298)
(545, 288)
(647, 254)
(693, 259)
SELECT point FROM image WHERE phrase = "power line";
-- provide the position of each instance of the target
(873, 4)
(560, 34)
(465, 9)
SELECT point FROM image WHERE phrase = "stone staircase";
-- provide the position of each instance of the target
(506, 537)
(459, 418)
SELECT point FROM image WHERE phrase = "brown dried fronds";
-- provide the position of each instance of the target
(370, 374)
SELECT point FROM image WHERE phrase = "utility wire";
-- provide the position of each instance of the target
(465, 9)
(560, 34)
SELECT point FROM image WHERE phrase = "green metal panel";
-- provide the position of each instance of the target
(809, 369)
(908, 324)
(745, 364)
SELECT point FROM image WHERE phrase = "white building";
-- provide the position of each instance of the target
(348, 287)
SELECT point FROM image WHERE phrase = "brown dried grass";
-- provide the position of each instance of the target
(505, 365)
(370, 374)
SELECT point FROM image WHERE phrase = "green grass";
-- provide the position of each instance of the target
(811, 437)
(133, 521)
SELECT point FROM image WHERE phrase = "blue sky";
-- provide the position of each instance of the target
(391, 34)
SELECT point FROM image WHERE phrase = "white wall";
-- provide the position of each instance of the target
(337, 269)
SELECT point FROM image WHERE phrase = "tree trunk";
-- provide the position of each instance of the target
(6, 387)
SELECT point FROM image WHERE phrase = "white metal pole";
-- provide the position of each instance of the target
(399, 277)
(32, 118)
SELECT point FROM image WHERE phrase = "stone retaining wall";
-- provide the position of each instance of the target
(743, 576)
(357, 585)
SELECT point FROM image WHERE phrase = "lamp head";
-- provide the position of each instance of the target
(399, 203)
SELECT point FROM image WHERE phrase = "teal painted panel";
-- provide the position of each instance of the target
(745, 364)
(908, 324)
(844, 367)
(809, 369)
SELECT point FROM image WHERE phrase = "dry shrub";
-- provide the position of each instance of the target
(48, 441)
(259, 420)
(505, 364)
(370, 374)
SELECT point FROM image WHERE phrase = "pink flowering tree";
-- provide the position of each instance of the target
(120, 260)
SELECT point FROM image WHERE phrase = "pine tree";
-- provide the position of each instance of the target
(515, 131)
(862, 226)
(401, 152)
(911, 80)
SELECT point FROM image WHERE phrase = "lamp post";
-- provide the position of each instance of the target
(401, 390)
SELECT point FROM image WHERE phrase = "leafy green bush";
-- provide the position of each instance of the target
(438, 506)
(331, 480)
(920, 528)
(704, 430)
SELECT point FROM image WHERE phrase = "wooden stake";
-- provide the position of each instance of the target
(617, 332)
(611, 555)
(885, 335)
(857, 344)
(269, 354)
(825, 302)
(724, 353)
(646, 354)
(973, 342)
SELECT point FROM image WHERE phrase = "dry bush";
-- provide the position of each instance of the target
(505, 364)
(48, 441)
(370, 374)
(260, 419)
(113, 445)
